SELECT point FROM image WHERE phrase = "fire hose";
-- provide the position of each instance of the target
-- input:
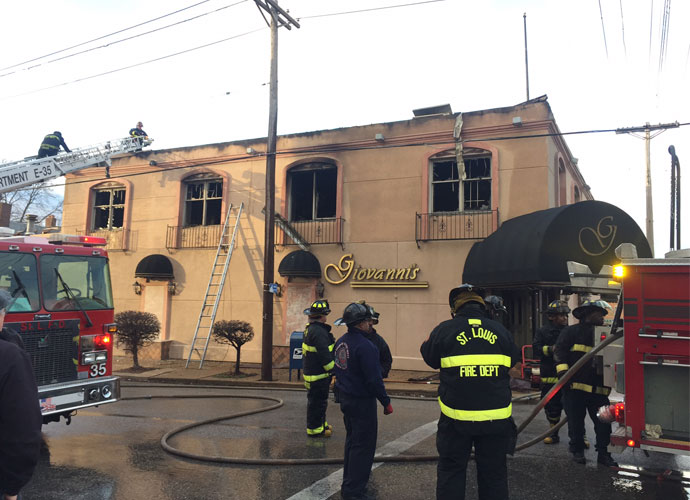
(277, 403)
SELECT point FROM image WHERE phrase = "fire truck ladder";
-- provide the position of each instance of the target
(18, 174)
(214, 290)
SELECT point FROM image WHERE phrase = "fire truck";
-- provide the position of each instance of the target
(62, 304)
(650, 365)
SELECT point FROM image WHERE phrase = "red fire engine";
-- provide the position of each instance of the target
(651, 365)
(63, 311)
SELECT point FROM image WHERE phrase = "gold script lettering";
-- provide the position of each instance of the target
(342, 270)
(605, 231)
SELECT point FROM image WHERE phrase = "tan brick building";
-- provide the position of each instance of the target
(389, 216)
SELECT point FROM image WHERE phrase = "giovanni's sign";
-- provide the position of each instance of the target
(372, 277)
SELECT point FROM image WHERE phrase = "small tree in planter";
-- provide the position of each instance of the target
(136, 329)
(234, 332)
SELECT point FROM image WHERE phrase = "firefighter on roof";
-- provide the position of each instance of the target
(544, 341)
(585, 393)
(51, 145)
(474, 354)
(317, 352)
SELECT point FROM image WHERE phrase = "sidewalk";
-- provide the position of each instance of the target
(219, 373)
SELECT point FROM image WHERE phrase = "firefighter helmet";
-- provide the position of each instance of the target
(372, 311)
(495, 304)
(355, 313)
(557, 307)
(588, 305)
(58, 133)
(318, 308)
(464, 288)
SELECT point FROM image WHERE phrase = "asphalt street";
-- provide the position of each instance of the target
(114, 452)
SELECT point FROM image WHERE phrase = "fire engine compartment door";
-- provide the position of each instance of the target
(667, 399)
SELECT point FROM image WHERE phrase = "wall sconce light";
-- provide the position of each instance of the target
(517, 121)
(320, 288)
(379, 138)
(172, 287)
(137, 287)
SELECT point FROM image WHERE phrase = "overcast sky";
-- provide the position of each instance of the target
(354, 69)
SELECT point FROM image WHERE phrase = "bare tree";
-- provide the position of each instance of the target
(136, 329)
(37, 199)
(234, 332)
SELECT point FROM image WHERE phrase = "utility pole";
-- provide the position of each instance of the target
(647, 129)
(524, 19)
(278, 18)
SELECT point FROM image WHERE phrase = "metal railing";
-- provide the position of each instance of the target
(193, 237)
(116, 239)
(314, 232)
(455, 225)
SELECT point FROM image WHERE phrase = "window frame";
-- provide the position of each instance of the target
(204, 179)
(110, 187)
(314, 167)
(468, 155)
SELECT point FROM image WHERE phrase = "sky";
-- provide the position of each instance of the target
(600, 62)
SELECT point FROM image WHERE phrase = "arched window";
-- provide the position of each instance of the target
(108, 207)
(312, 191)
(562, 193)
(453, 190)
(203, 200)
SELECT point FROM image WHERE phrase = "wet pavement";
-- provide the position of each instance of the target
(114, 451)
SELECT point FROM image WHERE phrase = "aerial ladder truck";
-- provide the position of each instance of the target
(63, 303)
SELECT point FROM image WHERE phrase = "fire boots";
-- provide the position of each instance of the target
(605, 458)
(553, 438)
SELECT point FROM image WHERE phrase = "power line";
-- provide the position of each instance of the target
(104, 36)
(601, 13)
(337, 149)
(625, 49)
(369, 10)
(133, 65)
(126, 39)
(664, 33)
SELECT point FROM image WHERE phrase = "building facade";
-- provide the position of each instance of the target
(385, 212)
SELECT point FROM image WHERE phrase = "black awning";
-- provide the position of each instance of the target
(535, 248)
(156, 267)
(300, 264)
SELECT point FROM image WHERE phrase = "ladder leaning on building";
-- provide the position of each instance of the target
(214, 290)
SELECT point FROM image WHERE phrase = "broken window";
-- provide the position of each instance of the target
(449, 193)
(312, 191)
(203, 201)
(109, 208)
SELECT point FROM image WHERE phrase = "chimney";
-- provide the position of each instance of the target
(50, 221)
(31, 224)
(5, 212)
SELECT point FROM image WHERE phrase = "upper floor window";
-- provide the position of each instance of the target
(312, 191)
(108, 207)
(451, 192)
(576, 194)
(203, 200)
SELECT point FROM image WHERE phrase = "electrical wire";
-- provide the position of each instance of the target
(603, 30)
(625, 49)
(133, 65)
(334, 149)
(369, 10)
(651, 20)
(109, 44)
(195, 48)
(104, 36)
(663, 46)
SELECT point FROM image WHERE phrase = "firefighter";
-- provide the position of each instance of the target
(585, 392)
(317, 352)
(474, 354)
(20, 415)
(359, 384)
(544, 339)
(385, 358)
(51, 145)
(495, 307)
(138, 131)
